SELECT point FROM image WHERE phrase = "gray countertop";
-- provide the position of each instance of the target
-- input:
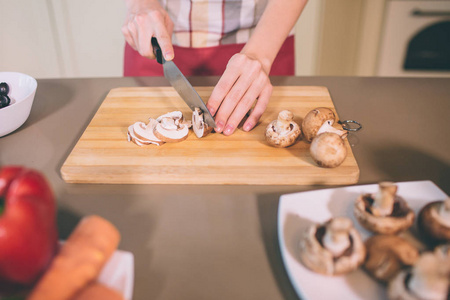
(220, 241)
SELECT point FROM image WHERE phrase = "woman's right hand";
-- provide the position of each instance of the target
(146, 19)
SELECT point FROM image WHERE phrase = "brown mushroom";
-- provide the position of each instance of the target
(332, 248)
(434, 221)
(384, 211)
(282, 132)
(427, 279)
(319, 120)
(199, 125)
(171, 127)
(328, 150)
(387, 255)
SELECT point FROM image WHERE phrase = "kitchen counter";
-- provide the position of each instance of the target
(220, 241)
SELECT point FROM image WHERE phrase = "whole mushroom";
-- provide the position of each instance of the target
(328, 150)
(332, 248)
(434, 221)
(317, 121)
(427, 279)
(387, 255)
(384, 211)
(282, 132)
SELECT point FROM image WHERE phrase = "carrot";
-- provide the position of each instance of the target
(97, 291)
(79, 261)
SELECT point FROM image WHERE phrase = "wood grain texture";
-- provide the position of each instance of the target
(103, 154)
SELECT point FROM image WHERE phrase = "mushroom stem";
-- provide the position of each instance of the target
(327, 127)
(383, 204)
(336, 238)
(429, 278)
(283, 124)
(444, 213)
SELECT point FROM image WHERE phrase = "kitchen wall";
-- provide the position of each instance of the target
(82, 38)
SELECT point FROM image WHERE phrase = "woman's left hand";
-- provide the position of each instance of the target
(244, 82)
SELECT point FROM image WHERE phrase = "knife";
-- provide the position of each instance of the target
(182, 85)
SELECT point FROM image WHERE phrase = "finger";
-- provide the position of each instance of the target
(246, 103)
(237, 92)
(144, 34)
(226, 82)
(258, 110)
(163, 35)
(129, 31)
(128, 37)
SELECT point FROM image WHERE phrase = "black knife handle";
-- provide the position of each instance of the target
(157, 50)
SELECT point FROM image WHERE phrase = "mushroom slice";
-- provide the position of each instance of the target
(434, 221)
(145, 132)
(319, 120)
(387, 255)
(199, 125)
(332, 248)
(328, 150)
(282, 132)
(142, 134)
(427, 279)
(133, 138)
(384, 211)
(171, 127)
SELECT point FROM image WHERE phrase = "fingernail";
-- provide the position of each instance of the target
(228, 130)
(219, 126)
(168, 55)
(248, 127)
(211, 111)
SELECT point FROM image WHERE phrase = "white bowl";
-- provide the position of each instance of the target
(22, 89)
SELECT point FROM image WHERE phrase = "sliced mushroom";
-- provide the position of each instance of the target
(199, 125)
(427, 279)
(328, 150)
(142, 134)
(319, 120)
(282, 132)
(387, 255)
(332, 248)
(434, 221)
(384, 211)
(171, 127)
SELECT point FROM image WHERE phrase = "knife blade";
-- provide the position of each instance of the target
(182, 85)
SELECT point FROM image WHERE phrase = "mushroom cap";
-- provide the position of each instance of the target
(328, 150)
(428, 224)
(387, 255)
(401, 219)
(314, 120)
(319, 259)
(279, 137)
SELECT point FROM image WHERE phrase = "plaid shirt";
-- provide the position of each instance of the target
(208, 23)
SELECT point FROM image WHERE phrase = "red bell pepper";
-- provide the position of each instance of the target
(28, 232)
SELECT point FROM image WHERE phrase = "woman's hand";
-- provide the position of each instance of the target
(146, 19)
(244, 83)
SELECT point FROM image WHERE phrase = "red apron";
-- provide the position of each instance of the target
(205, 61)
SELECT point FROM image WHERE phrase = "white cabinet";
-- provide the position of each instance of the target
(27, 40)
(62, 38)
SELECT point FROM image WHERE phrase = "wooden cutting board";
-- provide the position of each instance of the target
(103, 154)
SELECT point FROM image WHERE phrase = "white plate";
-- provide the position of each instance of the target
(297, 211)
(118, 273)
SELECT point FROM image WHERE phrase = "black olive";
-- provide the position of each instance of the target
(4, 101)
(4, 88)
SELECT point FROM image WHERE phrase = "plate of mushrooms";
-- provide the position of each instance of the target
(379, 241)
